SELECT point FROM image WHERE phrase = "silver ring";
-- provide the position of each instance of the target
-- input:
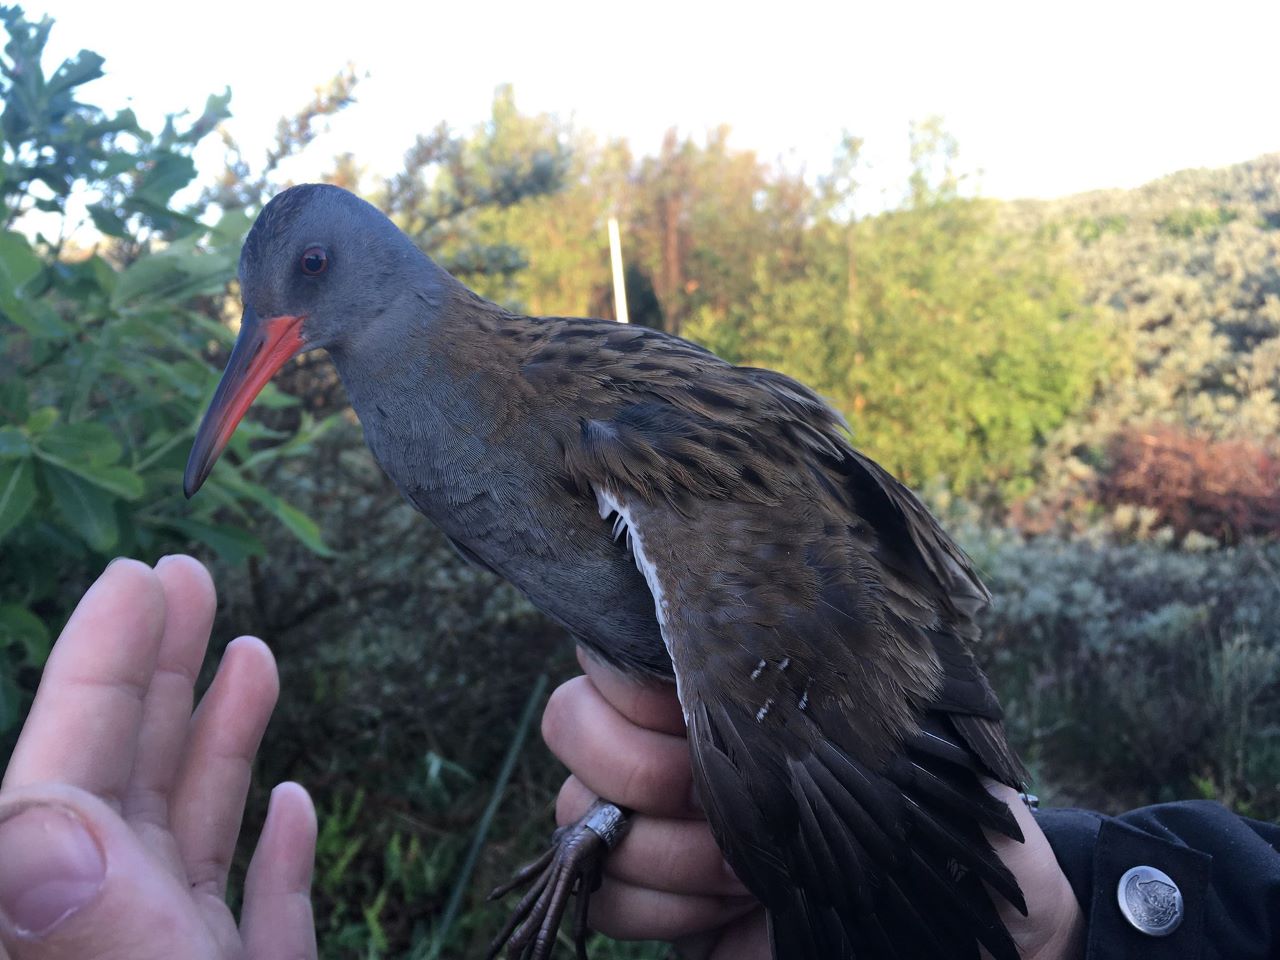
(608, 823)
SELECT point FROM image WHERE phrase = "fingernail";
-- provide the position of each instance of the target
(50, 867)
(113, 563)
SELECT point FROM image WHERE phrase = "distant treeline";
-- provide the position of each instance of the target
(1011, 353)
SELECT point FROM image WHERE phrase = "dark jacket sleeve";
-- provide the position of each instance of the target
(1226, 867)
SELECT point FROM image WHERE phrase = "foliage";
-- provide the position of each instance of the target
(564, 232)
(974, 347)
(1133, 673)
(1190, 268)
(450, 181)
(103, 352)
(953, 346)
(703, 218)
(1225, 490)
(243, 185)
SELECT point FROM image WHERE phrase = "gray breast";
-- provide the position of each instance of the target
(551, 544)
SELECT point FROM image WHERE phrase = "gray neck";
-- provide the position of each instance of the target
(422, 380)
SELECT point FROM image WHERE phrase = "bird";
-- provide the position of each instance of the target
(686, 520)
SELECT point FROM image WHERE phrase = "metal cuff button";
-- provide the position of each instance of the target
(1150, 901)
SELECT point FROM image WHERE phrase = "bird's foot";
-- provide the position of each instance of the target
(573, 864)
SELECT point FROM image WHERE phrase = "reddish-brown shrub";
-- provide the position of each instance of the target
(1226, 489)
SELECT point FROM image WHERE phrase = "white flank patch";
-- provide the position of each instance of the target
(611, 506)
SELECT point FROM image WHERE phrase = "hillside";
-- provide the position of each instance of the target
(1191, 266)
(1187, 269)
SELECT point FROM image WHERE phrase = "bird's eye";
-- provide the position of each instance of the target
(314, 261)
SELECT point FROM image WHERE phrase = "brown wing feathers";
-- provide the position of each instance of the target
(817, 618)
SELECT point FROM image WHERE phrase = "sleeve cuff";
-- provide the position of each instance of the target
(1096, 852)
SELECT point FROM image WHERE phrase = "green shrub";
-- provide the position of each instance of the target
(1188, 223)
(104, 353)
(1134, 673)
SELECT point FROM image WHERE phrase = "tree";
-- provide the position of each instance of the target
(954, 346)
(450, 183)
(974, 343)
(702, 216)
(103, 352)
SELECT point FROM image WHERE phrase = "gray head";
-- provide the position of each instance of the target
(320, 268)
(321, 253)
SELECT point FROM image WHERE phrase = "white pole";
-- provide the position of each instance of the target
(619, 285)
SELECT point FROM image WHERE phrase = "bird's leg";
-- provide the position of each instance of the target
(573, 865)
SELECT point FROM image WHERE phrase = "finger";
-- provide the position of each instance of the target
(650, 704)
(76, 882)
(629, 765)
(628, 912)
(744, 939)
(83, 726)
(678, 856)
(208, 800)
(166, 713)
(1053, 921)
(277, 920)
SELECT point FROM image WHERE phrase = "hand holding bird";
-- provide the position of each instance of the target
(668, 881)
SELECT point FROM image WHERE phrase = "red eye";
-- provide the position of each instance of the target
(314, 261)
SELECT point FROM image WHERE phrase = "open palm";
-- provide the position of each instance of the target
(120, 808)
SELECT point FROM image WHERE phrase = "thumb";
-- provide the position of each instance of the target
(76, 881)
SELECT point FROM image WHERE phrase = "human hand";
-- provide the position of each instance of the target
(667, 880)
(120, 809)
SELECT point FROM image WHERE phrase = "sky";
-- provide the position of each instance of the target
(1044, 98)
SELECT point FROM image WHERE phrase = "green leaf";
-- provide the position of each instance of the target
(20, 625)
(42, 419)
(17, 493)
(162, 217)
(230, 543)
(120, 480)
(233, 226)
(298, 523)
(13, 401)
(18, 262)
(88, 509)
(37, 317)
(169, 174)
(216, 109)
(121, 162)
(90, 451)
(273, 398)
(13, 443)
(108, 221)
(172, 276)
(18, 265)
(83, 67)
(308, 432)
(86, 441)
(302, 527)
